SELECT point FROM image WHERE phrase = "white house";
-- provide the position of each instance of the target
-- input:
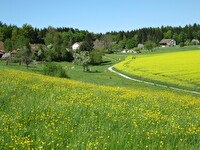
(167, 43)
(130, 51)
(76, 45)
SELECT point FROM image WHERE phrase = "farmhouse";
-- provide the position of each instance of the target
(76, 45)
(167, 43)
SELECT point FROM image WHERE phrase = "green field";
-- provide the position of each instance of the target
(41, 112)
(75, 72)
(175, 68)
(97, 109)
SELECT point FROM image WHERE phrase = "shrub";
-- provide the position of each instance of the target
(55, 70)
(181, 44)
(150, 46)
(96, 57)
(195, 42)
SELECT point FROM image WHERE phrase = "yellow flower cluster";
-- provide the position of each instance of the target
(41, 112)
(178, 68)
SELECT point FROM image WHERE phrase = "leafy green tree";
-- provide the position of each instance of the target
(107, 41)
(117, 47)
(78, 36)
(26, 54)
(7, 32)
(1, 35)
(28, 32)
(176, 37)
(182, 37)
(40, 52)
(122, 44)
(89, 39)
(15, 33)
(198, 35)
(168, 34)
(20, 42)
(54, 38)
(66, 38)
(8, 47)
(118, 37)
(133, 42)
(49, 35)
(50, 55)
(66, 55)
(182, 44)
(85, 47)
(96, 56)
(129, 44)
(82, 58)
(60, 43)
(150, 46)
(18, 57)
(57, 45)
(41, 35)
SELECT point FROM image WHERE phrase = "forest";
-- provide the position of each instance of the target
(36, 35)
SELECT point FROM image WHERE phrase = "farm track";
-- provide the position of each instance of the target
(150, 83)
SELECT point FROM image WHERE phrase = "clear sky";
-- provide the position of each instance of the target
(100, 15)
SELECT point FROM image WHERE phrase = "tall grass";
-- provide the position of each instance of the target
(42, 112)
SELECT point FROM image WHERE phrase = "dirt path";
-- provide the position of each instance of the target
(127, 77)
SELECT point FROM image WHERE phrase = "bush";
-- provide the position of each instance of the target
(96, 57)
(150, 46)
(55, 70)
(181, 44)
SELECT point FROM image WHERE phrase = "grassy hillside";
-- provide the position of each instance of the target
(177, 68)
(99, 75)
(41, 112)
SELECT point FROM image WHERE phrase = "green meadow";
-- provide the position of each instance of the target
(95, 110)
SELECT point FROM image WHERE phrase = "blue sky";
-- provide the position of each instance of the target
(100, 15)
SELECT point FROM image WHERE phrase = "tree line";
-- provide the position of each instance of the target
(60, 40)
(36, 35)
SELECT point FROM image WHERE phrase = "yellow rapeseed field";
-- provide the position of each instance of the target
(177, 68)
(41, 112)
